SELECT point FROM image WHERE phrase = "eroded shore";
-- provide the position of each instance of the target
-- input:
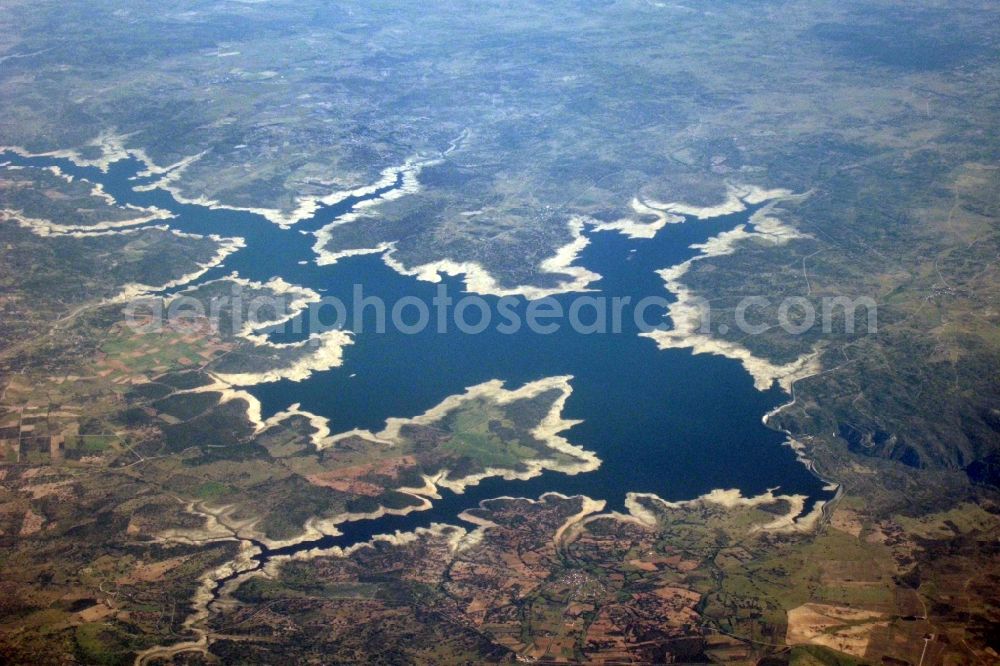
(327, 352)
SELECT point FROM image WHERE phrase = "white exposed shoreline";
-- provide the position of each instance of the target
(477, 279)
(737, 199)
(301, 297)
(111, 145)
(327, 347)
(548, 430)
(226, 247)
(113, 149)
(636, 229)
(795, 520)
(306, 206)
(327, 353)
(458, 537)
(798, 447)
(685, 312)
(47, 227)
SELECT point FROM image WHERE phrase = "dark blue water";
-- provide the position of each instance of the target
(663, 422)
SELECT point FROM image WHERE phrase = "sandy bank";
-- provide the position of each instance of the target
(685, 313)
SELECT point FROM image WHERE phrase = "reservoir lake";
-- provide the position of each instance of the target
(661, 421)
